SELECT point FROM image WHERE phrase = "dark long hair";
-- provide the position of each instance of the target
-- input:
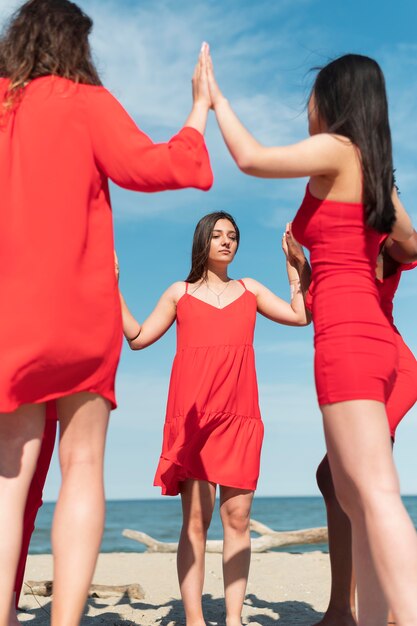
(350, 97)
(46, 37)
(201, 243)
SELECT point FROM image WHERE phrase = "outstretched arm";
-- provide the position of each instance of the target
(403, 233)
(317, 155)
(296, 259)
(140, 336)
(403, 251)
(126, 155)
(278, 310)
(273, 307)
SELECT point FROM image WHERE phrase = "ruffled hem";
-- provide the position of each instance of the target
(220, 447)
(11, 405)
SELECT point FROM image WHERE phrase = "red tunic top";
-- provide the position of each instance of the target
(61, 328)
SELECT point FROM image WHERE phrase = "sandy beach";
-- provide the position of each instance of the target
(285, 588)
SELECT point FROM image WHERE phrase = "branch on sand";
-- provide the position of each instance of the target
(268, 539)
(45, 588)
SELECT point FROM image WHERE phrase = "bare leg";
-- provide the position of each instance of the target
(340, 611)
(79, 514)
(235, 506)
(198, 498)
(359, 449)
(20, 441)
(13, 621)
(33, 503)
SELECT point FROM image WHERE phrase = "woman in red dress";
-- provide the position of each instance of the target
(341, 609)
(62, 136)
(213, 430)
(350, 199)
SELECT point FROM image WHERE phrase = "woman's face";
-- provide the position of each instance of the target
(314, 122)
(223, 244)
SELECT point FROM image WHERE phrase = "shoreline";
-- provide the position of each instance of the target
(284, 587)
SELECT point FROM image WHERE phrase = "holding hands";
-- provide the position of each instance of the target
(205, 88)
(200, 87)
(292, 249)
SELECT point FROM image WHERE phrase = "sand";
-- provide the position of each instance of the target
(285, 588)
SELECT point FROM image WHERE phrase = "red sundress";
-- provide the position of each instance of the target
(213, 429)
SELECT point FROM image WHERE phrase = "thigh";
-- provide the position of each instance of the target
(83, 420)
(359, 446)
(20, 439)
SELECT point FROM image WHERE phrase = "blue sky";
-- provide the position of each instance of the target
(263, 52)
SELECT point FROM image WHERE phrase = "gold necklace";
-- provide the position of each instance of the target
(218, 294)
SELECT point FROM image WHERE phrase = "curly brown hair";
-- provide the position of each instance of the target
(46, 37)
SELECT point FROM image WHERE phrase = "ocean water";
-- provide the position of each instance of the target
(161, 518)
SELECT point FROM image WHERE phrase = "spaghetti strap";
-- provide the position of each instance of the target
(213, 429)
(239, 280)
(186, 287)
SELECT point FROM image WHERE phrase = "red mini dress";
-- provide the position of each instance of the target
(404, 393)
(61, 328)
(213, 429)
(356, 353)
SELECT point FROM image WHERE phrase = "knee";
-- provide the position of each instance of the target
(197, 525)
(236, 519)
(85, 461)
(365, 498)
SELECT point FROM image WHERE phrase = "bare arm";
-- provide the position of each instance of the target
(403, 251)
(273, 307)
(322, 154)
(296, 257)
(403, 231)
(140, 336)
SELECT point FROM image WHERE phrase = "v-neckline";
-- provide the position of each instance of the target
(216, 308)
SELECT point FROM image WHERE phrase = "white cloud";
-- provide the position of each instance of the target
(7, 7)
(151, 75)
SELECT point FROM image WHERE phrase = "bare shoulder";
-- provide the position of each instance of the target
(175, 291)
(252, 285)
(333, 143)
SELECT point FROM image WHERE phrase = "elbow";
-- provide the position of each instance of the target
(206, 182)
(404, 251)
(245, 162)
(413, 247)
(136, 346)
(304, 320)
(246, 167)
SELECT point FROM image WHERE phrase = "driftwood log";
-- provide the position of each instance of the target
(268, 539)
(45, 588)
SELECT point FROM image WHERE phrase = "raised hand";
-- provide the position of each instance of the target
(201, 93)
(214, 89)
(292, 249)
